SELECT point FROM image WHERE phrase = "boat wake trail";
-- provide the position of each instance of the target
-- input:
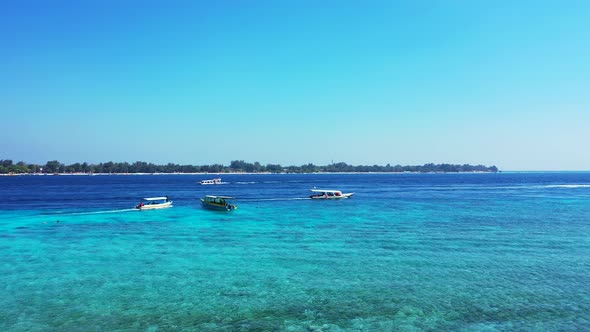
(91, 212)
(567, 186)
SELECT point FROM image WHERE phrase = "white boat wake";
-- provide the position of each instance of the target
(567, 186)
(94, 212)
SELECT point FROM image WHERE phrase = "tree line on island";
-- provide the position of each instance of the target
(236, 166)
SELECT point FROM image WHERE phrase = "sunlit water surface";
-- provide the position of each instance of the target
(411, 252)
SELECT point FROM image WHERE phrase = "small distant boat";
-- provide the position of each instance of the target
(151, 203)
(329, 194)
(221, 203)
(212, 181)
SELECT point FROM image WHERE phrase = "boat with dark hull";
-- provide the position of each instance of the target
(219, 203)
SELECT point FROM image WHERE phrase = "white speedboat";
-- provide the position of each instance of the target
(329, 194)
(212, 181)
(152, 203)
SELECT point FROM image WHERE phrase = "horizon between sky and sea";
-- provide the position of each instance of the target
(409, 252)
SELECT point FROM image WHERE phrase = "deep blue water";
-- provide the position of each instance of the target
(409, 252)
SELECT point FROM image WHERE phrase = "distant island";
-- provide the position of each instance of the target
(236, 166)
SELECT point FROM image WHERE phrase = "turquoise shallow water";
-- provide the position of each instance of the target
(483, 252)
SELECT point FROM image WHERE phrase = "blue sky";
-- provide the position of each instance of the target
(292, 82)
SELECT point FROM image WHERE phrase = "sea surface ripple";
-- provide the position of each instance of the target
(409, 252)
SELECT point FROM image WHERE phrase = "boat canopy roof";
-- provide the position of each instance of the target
(155, 198)
(325, 191)
(224, 197)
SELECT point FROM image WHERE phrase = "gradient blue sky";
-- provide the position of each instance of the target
(292, 82)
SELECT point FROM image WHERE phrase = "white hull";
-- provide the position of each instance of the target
(155, 206)
(212, 181)
(333, 197)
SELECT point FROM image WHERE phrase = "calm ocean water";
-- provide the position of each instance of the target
(411, 252)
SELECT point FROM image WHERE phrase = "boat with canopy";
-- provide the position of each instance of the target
(329, 194)
(220, 203)
(212, 181)
(152, 203)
